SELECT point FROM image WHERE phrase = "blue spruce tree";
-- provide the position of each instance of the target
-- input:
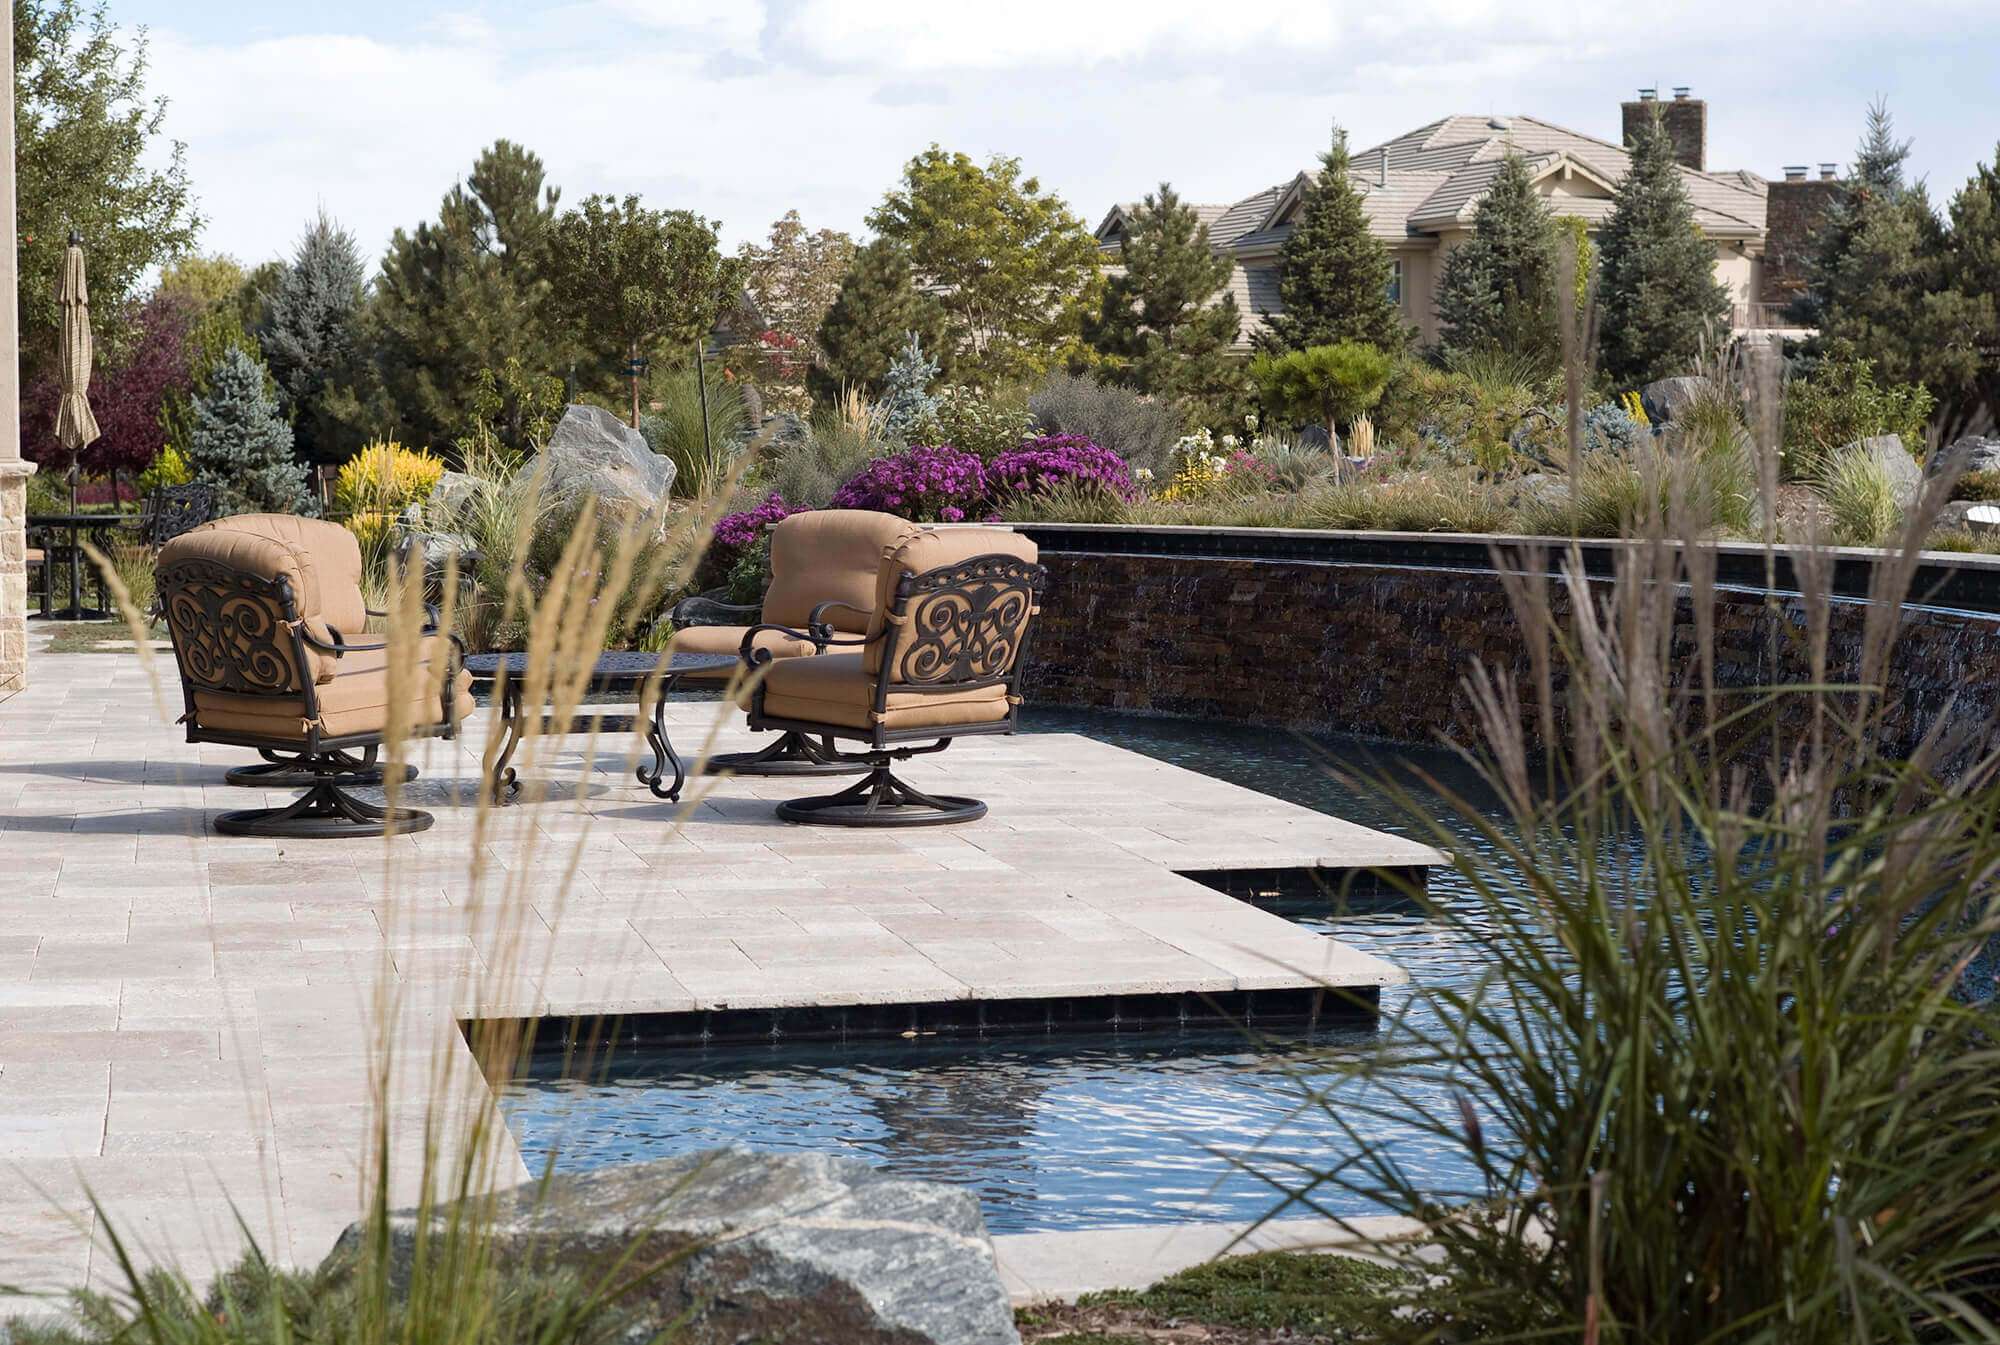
(243, 446)
(307, 336)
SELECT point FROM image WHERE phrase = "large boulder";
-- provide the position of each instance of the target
(592, 453)
(758, 1246)
(1666, 398)
(1973, 453)
(1906, 478)
(453, 494)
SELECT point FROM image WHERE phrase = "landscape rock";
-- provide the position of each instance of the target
(593, 453)
(1666, 398)
(452, 493)
(1906, 478)
(783, 428)
(1535, 488)
(759, 1246)
(1973, 453)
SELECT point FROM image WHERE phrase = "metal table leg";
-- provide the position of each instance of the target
(504, 780)
(652, 773)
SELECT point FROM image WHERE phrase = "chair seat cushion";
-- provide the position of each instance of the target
(835, 689)
(34, 556)
(355, 700)
(729, 640)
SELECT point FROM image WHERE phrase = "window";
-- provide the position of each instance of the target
(1395, 280)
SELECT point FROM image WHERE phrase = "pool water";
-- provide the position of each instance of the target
(1078, 1131)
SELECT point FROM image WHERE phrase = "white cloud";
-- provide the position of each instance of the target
(742, 111)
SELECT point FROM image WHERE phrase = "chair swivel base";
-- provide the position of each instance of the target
(280, 772)
(324, 811)
(793, 754)
(880, 799)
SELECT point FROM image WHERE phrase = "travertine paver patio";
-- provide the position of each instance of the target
(188, 1021)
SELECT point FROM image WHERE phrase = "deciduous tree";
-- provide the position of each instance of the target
(1162, 326)
(1013, 269)
(626, 283)
(89, 157)
(790, 282)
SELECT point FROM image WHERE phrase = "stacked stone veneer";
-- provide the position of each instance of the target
(1381, 651)
(13, 575)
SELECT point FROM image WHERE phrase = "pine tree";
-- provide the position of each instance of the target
(243, 446)
(865, 330)
(460, 298)
(1333, 275)
(307, 336)
(1874, 183)
(1659, 294)
(1967, 316)
(1161, 325)
(1498, 290)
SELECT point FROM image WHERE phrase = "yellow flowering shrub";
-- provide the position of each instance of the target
(1198, 468)
(1635, 408)
(378, 483)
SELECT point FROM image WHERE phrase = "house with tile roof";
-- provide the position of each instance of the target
(1420, 189)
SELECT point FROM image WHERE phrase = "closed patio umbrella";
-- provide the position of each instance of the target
(76, 427)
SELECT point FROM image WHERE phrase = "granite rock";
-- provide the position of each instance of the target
(760, 1246)
(1906, 478)
(593, 454)
(1666, 398)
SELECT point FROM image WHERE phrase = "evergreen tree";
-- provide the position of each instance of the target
(1498, 290)
(1967, 316)
(459, 298)
(865, 329)
(1874, 183)
(1659, 295)
(1161, 325)
(1333, 275)
(243, 446)
(307, 339)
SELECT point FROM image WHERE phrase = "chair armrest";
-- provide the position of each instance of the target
(699, 611)
(339, 644)
(816, 620)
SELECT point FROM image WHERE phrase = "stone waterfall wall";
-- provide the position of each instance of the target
(1380, 651)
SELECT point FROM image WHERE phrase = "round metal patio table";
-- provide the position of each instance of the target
(618, 671)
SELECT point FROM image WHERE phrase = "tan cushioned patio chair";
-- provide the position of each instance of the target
(824, 569)
(264, 624)
(328, 557)
(940, 659)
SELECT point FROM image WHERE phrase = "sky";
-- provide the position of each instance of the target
(743, 109)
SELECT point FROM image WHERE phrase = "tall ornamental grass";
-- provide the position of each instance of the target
(1733, 1070)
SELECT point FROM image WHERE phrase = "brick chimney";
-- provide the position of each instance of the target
(1793, 212)
(1685, 120)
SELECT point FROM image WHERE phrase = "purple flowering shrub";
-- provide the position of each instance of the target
(736, 540)
(1059, 459)
(925, 483)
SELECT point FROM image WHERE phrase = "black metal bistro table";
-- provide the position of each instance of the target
(99, 525)
(612, 672)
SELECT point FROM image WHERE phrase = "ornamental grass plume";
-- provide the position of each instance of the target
(1731, 1073)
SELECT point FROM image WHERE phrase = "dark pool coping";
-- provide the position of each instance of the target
(1951, 581)
(1289, 1009)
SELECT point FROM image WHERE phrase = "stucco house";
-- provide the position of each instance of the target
(1420, 191)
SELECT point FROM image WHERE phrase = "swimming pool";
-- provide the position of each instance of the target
(1073, 1131)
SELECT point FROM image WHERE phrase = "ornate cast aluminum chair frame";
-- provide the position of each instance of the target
(794, 753)
(226, 640)
(959, 627)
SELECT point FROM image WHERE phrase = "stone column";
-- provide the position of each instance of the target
(14, 473)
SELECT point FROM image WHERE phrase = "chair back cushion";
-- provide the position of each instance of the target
(218, 590)
(326, 581)
(829, 555)
(966, 624)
